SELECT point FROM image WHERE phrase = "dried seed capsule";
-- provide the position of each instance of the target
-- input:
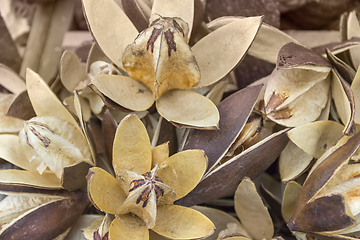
(101, 67)
(56, 143)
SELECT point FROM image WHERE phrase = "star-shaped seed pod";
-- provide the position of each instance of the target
(157, 51)
(326, 205)
(145, 191)
(146, 184)
(161, 58)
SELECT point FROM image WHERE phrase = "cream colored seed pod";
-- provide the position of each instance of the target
(56, 143)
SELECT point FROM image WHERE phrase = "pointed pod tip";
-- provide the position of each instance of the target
(89, 174)
(30, 72)
(291, 225)
(205, 157)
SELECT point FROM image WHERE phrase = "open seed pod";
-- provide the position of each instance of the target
(54, 140)
(297, 90)
(326, 204)
(57, 143)
(152, 75)
(32, 198)
(25, 215)
(74, 77)
(225, 172)
(146, 184)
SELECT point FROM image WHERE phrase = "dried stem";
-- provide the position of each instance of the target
(60, 22)
(37, 37)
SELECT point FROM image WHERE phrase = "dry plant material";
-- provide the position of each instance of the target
(98, 227)
(225, 172)
(43, 51)
(74, 78)
(255, 221)
(25, 215)
(166, 56)
(216, 9)
(307, 142)
(343, 97)
(165, 133)
(317, 137)
(355, 87)
(141, 196)
(9, 53)
(61, 17)
(136, 12)
(175, 84)
(123, 91)
(70, 72)
(21, 107)
(345, 92)
(10, 80)
(8, 124)
(108, 127)
(161, 58)
(267, 43)
(297, 90)
(352, 30)
(222, 220)
(37, 37)
(252, 212)
(51, 153)
(44, 101)
(40, 133)
(52, 143)
(328, 189)
(293, 162)
(95, 54)
(314, 15)
(204, 113)
(56, 144)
